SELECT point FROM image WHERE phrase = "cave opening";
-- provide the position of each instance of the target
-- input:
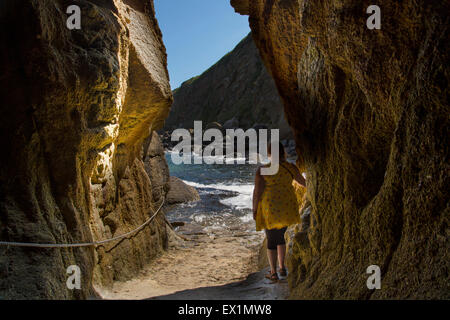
(217, 79)
(88, 113)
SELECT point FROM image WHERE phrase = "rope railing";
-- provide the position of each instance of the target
(86, 244)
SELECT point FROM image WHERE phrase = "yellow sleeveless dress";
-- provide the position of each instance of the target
(281, 200)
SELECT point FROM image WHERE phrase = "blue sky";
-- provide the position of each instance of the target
(197, 33)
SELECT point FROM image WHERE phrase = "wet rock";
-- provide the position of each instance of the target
(214, 125)
(181, 192)
(258, 126)
(231, 124)
(177, 224)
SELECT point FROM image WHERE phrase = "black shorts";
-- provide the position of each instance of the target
(275, 237)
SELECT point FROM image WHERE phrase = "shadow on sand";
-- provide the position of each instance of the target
(255, 287)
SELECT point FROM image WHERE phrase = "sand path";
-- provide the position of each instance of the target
(202, 266)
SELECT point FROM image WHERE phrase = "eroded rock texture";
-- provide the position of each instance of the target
(370, 114)
(79, 163)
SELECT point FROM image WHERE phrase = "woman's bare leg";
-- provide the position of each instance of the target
(281, 254)
(272, 256)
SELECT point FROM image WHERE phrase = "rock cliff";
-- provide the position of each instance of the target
(80, 161)
(237, 89)
(370, 115)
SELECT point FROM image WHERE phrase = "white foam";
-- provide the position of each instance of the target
(242, 201)
(242, 188)
(247, 217)
(199, 218)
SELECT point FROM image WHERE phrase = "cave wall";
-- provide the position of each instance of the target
(370, 114)
(80, 162)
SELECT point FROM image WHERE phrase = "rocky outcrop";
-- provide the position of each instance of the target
(181, 192)
(369, 110)
(237, 91)
(79, 163)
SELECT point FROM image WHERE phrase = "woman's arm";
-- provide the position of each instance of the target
(298, 176)
(258, 191)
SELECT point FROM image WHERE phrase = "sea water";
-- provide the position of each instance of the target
(225, 195)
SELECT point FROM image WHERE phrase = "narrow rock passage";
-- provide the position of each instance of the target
(202, 266)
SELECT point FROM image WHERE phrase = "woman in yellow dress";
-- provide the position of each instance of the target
(276, 206)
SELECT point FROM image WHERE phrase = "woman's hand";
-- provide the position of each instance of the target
(297, 184)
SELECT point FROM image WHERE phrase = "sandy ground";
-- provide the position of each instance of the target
(202, 266)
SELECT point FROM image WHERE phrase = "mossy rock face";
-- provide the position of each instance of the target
(78, 110)
(370, 119)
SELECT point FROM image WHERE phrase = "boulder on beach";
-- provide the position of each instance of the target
(289, 147)
(214, 125)
(181, 192)
(258, 126)
(231, 124)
